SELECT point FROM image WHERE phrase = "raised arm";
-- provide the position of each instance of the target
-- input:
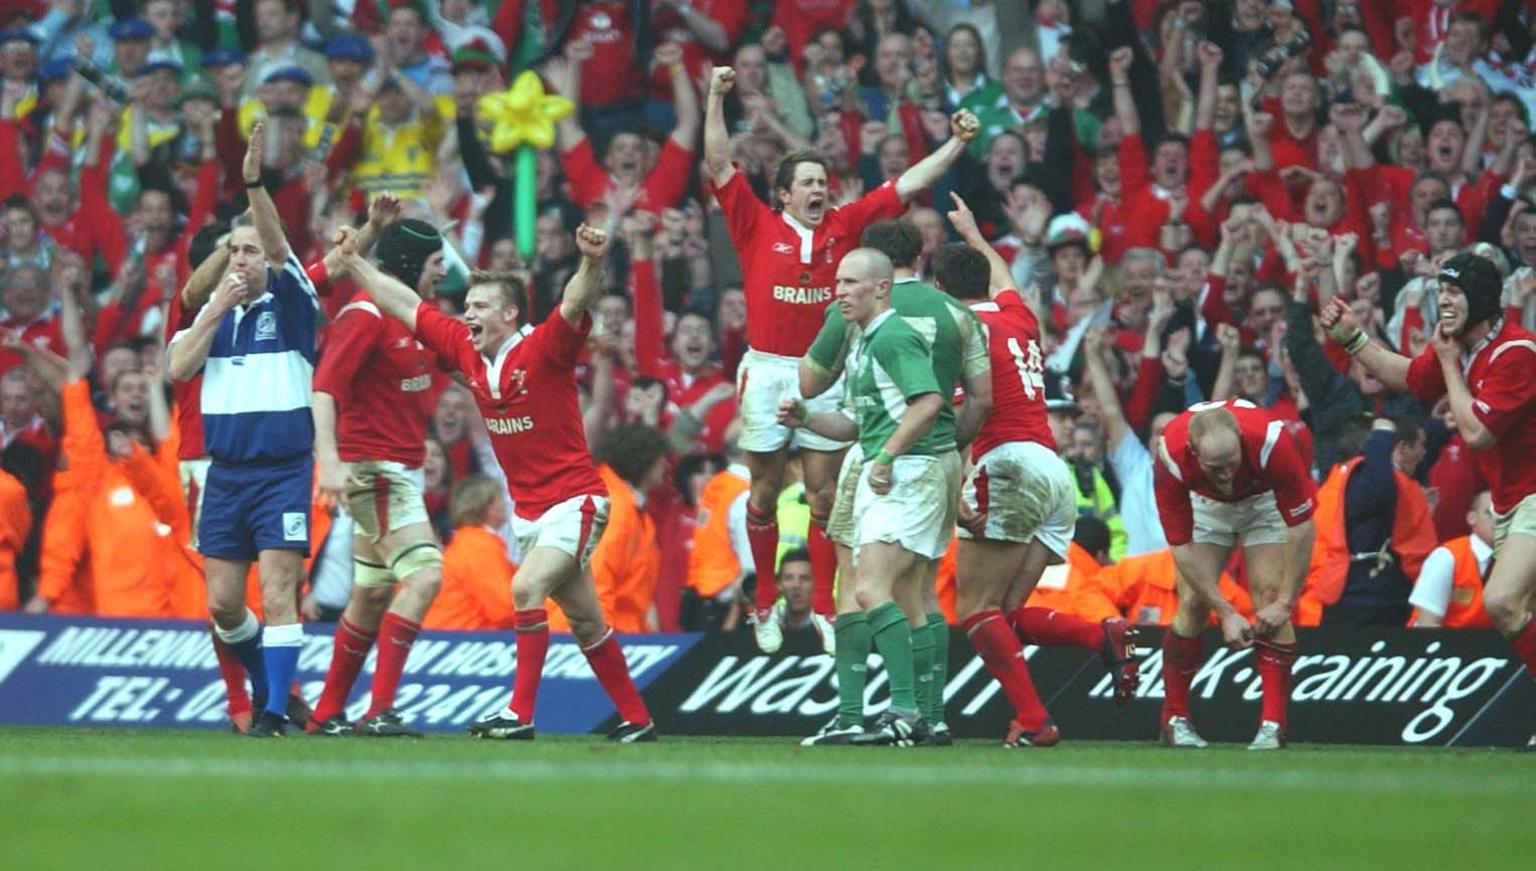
(586, 285)
(1001, 278)
(963, 127)
(383, 211)
(269, 228)
(717, 139)
(1389, 367)
(684, 98)
(1120, 79)
(204, 278)
(1205, 102)
(1111, 417)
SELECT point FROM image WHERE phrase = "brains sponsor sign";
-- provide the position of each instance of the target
(88, 672)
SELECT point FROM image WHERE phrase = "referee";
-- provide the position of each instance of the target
(254, 343)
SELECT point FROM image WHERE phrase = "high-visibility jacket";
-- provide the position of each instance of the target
(1413, 537)
(156, 479)
(944, 583)
(626, 563)
(1060, 587)
(131, 562)
(15, 523)
(477, 583)
(1144, 589)
(712, 564)
(64, 562)
(1465, 609)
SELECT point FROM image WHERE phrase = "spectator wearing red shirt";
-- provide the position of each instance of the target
(29, 312)
(707, 31)
(1157, 193)
(627, 161)
(799, 20)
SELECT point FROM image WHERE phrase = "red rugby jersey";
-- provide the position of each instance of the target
(1018, 375)
(788, 270)
(380, 376)
(1270, 461)
(1502, 376)
(527, 394)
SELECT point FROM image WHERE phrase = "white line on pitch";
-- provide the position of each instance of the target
(1187, 776)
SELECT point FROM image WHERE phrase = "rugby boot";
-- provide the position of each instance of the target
(833, 735)
(268, 725)
(633, 733)
(1270, 737)
(824, 632)
(895, 730)
(502, 727)
(1045, 736)
(1120, 657)
(335, 727)
(386, 724)
(1180, 732)
(938, 736)
(768, 629)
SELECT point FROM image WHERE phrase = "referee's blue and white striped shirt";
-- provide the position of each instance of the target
(256, 381)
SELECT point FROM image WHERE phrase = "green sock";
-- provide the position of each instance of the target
(922, 668)
(939, 629)
(893, 638)
(853, 646)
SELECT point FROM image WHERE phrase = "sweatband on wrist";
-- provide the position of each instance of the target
(884, 457)
(1357, 343)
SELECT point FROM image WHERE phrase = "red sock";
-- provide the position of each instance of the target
(1049, 628)
(1525, 646)
(1181, 659)
(1003, 656)
(607, 662)
(1275, 677)
(763, 536)
(347, 654)
(823, 567)
(396, 635)
(233, 673)
(532, 628)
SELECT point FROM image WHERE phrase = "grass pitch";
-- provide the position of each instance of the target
(94, 799)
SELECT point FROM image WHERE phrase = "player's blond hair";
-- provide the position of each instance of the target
(1212, 422)
(513, 291)
(472, 500)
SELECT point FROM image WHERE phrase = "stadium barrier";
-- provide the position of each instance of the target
(1359, 686)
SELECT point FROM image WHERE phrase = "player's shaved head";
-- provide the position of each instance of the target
(898, 239)
(961, 271)
(870, 264)
(1214, 435)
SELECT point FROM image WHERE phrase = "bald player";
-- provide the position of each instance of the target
(903, 489)
(1224, 472)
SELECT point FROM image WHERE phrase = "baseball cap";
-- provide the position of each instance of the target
(58, 68)
(160, 65)
(17, 34)
(290, 74)
(1068, 229)
(223, 57)
(131, 29)
(349, 46)
(474, 55)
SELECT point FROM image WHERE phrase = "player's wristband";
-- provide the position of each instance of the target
(1357, 343)
(884, 457)
(252, 185)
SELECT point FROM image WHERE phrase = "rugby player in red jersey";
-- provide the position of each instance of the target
(789, 261)
(370, 441)
(1019, 505)
(523, 377)
(1486, 365)
(1226, 471)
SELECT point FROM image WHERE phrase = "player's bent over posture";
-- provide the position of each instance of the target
(523, 378)
(370, 433)
(902, 490)
(254, 344)
(1019, 505)
(1226, 471)
(1486, 365)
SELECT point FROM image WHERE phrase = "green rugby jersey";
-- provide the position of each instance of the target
(957, 342)
(888, 368)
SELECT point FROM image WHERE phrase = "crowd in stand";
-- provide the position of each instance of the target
(1177, 238)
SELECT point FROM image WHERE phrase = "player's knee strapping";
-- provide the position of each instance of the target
(414, 558)
(371, 574)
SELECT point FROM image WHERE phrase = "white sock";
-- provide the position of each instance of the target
(244, 632)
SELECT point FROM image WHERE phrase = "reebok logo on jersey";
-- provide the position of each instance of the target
(509, 425)
(1301, 509)
(783, 248)
(295, 526)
